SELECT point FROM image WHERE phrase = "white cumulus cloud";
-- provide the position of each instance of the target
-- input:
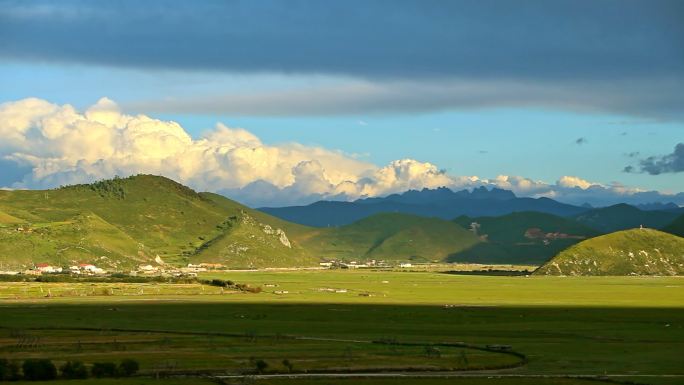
(64, 146)
(48, 145)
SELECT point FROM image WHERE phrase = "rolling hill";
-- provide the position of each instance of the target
(123, 222)
(440, 203)
(628, 252)
(392, 237)
(623, 216)
(676, 227)
(520, 238)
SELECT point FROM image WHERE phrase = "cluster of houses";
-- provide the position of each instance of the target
(335, 264)
(190, 270)
(161, 269)
(46, 268)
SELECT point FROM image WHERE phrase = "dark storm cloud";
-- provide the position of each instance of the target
(617, 56)
(368, 38)
(656, 165)
(630, 97)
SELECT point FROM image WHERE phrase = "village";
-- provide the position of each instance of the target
(337, 264)
(190, 270)
(89, 269)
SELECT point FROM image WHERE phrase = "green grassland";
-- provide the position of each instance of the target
(629, 252)
(489, 380)
(328, 381)
(506, 240)
(390, 236)
(84, 237)
(132, 220)
(563, 325)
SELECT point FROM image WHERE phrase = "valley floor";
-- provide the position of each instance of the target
(461, 329)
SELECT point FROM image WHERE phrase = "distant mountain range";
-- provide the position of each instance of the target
(440, 203)
(480, 202)
(657, 206)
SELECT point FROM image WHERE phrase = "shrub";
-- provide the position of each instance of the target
(247, 288)
(288, 365)
(431, 351)
(103, 369)
(219, 283)
(128, 367)
(9, 370)
(74, 370)
(39, 370)
(261, 366)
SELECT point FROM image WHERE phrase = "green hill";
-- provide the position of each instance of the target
(676, 227)
(390, 236)
(629, 252)
(624, 216)
(133, 220)
(522, 237)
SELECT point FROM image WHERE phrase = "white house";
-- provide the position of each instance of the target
(47, 268)
(90, 269)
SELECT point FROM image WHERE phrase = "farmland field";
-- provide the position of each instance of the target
(416, 323)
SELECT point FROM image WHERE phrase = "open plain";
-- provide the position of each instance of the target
(361, 327)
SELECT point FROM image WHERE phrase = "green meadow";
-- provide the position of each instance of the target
(617, 328)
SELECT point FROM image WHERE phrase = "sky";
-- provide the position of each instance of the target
(277, 103)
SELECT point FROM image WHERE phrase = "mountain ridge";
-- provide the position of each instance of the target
(623, 216)
(448, 205)
(520, 237)
(391, 237)
(147, 216)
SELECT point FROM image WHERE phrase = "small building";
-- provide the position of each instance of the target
(89, 268)
(193, 269)
(211, 266)
(404, 265)
(46, 268)
(148, 269)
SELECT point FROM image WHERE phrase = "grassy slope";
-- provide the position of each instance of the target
(623, 217)
(629, 252)
(151, 215)
(390, 237)
(6, 219)
(566, 325)
(506, 241)
(676, 227)
(83, 238)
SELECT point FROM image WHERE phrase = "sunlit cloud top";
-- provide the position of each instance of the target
(48, 145)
